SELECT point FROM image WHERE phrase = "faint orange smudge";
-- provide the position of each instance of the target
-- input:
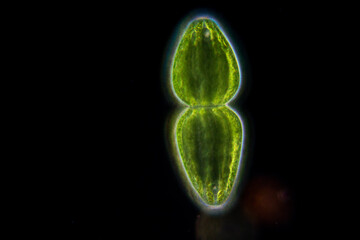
(267, 201)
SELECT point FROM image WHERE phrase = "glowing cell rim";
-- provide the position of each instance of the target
(176, 46)
(207, 207)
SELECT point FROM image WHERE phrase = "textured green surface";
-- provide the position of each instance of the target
(205, 71)
(208, 134)
(209, 143)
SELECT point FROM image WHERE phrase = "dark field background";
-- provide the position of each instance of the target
(107, 107)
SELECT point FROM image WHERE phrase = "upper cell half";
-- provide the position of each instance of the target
(205, 71)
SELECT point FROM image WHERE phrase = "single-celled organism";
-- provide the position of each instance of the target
(208, 135)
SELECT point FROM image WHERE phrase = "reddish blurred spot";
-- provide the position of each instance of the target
(267, 201)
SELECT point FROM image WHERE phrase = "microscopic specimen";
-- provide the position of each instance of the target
(208, 134)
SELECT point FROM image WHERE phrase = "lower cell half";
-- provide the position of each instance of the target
(209, 143)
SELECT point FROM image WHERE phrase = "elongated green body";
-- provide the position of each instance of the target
(205, 70)
(208, 134)
(209, 143)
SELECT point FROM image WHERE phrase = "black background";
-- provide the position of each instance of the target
(108, 106)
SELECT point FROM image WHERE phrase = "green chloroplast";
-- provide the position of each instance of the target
(205, 71)
(208, 135)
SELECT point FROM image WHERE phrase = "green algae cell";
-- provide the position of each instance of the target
(205, 70)
(208, 135)
(209, 142)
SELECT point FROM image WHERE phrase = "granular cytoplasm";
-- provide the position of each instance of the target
(208, 134)
(205, 71)
(209, 142)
